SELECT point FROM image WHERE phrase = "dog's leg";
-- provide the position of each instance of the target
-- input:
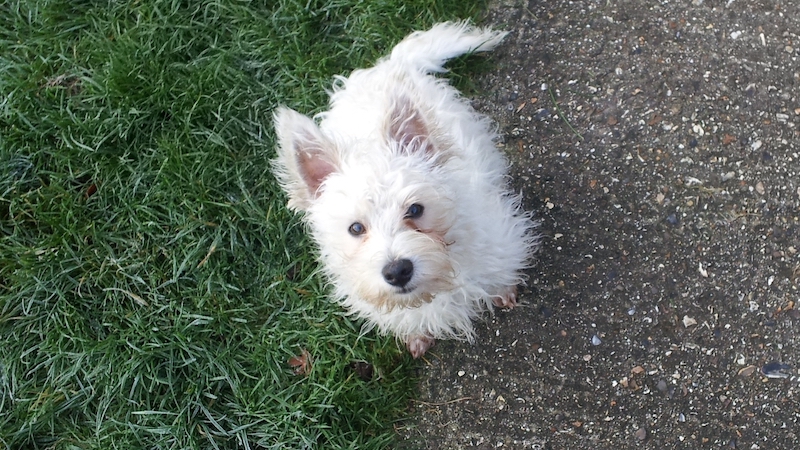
(418, 345)
(507, 298)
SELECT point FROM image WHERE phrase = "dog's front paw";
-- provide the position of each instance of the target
(418, 345)
(506, 299)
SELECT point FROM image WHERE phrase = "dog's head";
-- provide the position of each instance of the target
(379, 207)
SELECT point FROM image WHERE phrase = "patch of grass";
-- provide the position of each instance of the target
(153, 287)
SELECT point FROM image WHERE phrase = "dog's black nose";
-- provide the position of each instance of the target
(398, 272)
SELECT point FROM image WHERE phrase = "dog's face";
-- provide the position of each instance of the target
(379, 208)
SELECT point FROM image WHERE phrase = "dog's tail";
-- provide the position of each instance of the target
(429, 50)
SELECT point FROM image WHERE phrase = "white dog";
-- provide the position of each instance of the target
(406, 194)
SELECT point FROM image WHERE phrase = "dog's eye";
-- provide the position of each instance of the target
(357, 229)
(414, 211)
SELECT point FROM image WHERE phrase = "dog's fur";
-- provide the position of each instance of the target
(406, 195)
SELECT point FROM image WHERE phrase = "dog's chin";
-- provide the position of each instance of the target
(407, 289)
(406, 297)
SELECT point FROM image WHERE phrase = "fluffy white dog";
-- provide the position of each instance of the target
(406, 194)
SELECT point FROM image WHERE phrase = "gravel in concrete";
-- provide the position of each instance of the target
(659, 143)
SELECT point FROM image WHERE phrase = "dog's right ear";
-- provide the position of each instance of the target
(305, 157)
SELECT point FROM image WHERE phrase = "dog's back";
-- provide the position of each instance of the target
(360, 102)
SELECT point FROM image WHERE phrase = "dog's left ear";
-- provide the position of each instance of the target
(407, 128)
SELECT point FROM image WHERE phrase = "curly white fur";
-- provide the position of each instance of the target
(401, 168)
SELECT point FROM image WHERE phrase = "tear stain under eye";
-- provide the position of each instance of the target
(411, 225)
(433, 234)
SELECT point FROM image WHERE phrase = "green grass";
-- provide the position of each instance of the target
(152, 284)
